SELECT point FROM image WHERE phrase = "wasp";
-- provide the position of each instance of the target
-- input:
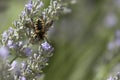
(40, 29)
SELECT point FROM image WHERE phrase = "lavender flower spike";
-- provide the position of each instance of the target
(27, 42)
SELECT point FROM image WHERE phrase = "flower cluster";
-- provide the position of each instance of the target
(22, 47)
(113, 46)
(117, 77)
(116, 42)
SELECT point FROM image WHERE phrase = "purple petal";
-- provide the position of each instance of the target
(23, 78)
(27, 51)
(5, 35)
(46, 46)
(10, 30)
(29, 6)
(9, 44)
(13, 65)
(40, 5)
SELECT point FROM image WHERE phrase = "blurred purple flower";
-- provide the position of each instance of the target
(27, 51)
(117, 42)
(110, 78)
(111, 45)
(118, 34)
(40, 5)
(23, 78)
(4, 52)
(10, 30)
(110, 20)
(10, 43)
(117, 3)
(23, 13)
(5, 35)
(29, 6)
(14, 46)
(46, 46)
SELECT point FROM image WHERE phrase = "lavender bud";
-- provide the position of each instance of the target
(4, 36)
(10, 43)
(23, 78)
(27, 51)
(23, 65)
(13, 65)
(14, 46)
(20, 43)
(29, 6)
(40, 5)
(10, 30)
(45, 46)
(23, 13)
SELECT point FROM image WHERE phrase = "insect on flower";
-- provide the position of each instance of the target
(40, 29)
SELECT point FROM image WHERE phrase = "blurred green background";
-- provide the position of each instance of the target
(80, 39)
